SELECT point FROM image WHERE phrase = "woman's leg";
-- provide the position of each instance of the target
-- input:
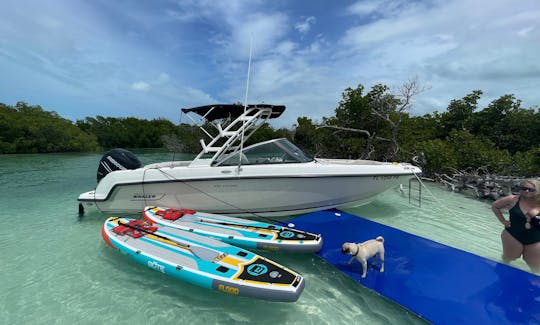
(512, 248)
(531, 255)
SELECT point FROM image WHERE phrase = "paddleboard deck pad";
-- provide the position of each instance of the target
(236, 231)
(203, 261)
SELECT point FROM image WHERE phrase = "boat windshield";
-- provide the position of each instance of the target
(277, 151)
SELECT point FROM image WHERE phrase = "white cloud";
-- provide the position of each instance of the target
(525, 31)
(163, 78)
(285, 48)
(364, 8)
(50, 22)
(160, 51)
(304, 26)
(140, 86)
(455, 47)
(377, 9)
(266, 30)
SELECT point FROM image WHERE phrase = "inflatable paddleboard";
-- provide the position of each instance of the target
(203, 261)
(235, 231)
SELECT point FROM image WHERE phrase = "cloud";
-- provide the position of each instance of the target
(488, 46)
(286, 48)
(379, 9)
(140, 86)
(304, 26)
(364, 8)
(163, 78)
(133, 55)
(264, 29)
(525, 32)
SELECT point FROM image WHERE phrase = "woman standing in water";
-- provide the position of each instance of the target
(521, 236)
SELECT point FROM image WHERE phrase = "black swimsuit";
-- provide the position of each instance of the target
(517, 227)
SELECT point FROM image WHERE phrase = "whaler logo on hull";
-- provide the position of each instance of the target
(146, 196)
(156, 266)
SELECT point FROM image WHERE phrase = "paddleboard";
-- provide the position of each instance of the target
(203, 261)
(236, 231)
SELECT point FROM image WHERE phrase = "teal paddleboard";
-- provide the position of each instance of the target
(236, 231)
(203, 261)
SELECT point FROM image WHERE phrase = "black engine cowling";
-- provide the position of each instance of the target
(117, 159)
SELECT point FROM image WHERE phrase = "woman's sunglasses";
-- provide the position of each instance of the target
(527, 189)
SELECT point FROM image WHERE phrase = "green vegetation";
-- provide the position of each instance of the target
(30, 129)
(501, 138)
(127, 132)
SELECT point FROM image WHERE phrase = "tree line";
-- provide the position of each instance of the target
(500, 138)
(367, 124)
(30, 129)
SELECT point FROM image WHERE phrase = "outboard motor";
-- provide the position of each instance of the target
(117, 159)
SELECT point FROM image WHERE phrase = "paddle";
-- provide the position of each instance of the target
(280, 231)
(193, 218)
(201, 252)
(239, 225)
(290, 224)
(271, 228)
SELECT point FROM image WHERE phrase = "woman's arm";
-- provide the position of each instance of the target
(503, 203)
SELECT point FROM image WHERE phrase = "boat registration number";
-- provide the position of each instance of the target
(385, 177)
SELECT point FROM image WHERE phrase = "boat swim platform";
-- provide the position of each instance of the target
(439, 283)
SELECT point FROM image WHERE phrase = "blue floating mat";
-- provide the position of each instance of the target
(441, 284)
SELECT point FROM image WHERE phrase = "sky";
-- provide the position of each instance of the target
(149, 59)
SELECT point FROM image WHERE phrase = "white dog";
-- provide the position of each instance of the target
(363, 251)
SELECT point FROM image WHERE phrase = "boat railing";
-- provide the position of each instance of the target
(169, 164)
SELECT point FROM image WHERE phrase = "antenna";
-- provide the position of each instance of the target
(245, 103)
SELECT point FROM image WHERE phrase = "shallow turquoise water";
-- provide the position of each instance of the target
(57, 270)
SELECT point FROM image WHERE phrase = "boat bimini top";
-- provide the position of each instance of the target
(234, 123)
(222, 111)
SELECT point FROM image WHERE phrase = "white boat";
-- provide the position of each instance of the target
(271, 178)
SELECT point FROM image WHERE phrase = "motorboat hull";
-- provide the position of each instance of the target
(269, 178)
(246, 195)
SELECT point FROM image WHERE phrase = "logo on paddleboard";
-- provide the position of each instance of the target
(156, 266)
(287, 234)
(257, 269)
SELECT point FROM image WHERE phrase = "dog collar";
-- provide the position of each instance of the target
(357, 251)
